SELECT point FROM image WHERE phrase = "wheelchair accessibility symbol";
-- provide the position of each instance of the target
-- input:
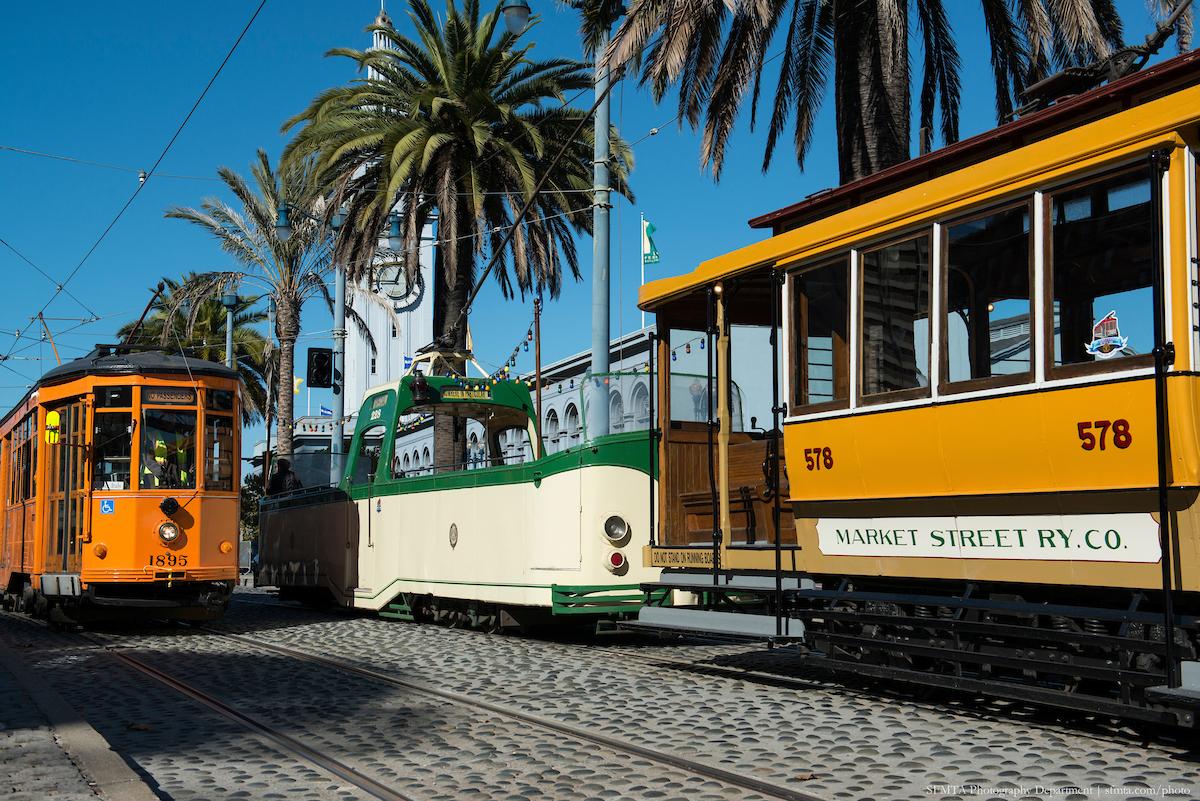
(108, 506)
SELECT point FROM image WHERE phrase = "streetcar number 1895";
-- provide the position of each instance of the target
(168, 560)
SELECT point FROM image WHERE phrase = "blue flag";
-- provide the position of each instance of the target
(326, 411)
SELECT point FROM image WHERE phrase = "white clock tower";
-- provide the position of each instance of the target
(399, 333)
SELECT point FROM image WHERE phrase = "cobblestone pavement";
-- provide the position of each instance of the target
(830, 740)
(33, 767)
(185, 751)
(726, 706)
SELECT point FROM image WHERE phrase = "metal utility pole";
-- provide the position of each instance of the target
(229, 301)
(537, 357)
(336, 457)
(597, 415)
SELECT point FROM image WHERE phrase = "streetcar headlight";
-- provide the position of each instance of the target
(168, 532)
(616, 530)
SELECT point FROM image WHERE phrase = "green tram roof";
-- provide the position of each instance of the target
(456, 392)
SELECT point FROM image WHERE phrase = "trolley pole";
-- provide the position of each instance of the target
(597, 408)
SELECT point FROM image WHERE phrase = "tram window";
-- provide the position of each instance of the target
(218, 453)
(366, 458)
(113, 443)
(988, 307)
(1102, 271)
(168, 449)
(114, 397)
(220, 400)
(895, 317)
(821, 322)
(688, 369)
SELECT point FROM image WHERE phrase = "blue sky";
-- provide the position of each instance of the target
(110, 82)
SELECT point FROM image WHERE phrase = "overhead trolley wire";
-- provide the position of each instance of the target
(46, 275)
(149, 173)
(88, 163)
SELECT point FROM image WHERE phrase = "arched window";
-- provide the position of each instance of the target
(474, 457)
(407, 463)
(426, 461)
(416, 461)
(641, 406)
(551, 432)
(616, 413)
(571, 423)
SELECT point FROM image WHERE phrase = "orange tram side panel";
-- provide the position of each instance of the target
(119, 479)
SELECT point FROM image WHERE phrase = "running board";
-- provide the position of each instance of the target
(714, 625)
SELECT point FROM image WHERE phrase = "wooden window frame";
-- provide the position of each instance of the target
(945, 385)
(913, 393)
(797, 343)
(1099, 367)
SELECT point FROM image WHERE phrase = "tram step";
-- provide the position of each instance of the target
(725, 625)
(397, 612)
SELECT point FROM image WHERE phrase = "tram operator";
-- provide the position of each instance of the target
(163, 466)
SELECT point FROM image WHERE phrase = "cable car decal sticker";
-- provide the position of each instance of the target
(1107, 341)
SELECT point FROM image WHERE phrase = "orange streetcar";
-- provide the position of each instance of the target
(119, 479)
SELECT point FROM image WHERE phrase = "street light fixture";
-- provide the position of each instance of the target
(395, 239)
(283, 222)
(516, 16)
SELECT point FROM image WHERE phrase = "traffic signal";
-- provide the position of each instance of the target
(320, 368)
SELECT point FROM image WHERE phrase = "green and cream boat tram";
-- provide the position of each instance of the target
(499, 536)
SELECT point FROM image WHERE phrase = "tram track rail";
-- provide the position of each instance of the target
(740, 781)
(283, 742)
(702, 666)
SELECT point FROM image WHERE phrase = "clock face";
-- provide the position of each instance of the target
(394, 284)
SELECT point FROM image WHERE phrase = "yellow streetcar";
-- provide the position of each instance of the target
(986, 365)
(119, 474)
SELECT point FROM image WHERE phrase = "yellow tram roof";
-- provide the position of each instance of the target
(1095, 126)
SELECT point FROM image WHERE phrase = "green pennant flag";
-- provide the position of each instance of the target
(649, 249)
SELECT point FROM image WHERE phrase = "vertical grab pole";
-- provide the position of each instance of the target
(709, 330)
(1164, 357)
(774, 445)
(652, 422)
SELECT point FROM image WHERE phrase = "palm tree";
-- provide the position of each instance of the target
(197, 328)
(716, 55)
(292, 269)
(462, 123)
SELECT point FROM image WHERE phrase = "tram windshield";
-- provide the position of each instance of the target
(114, 443)
(168, 449)
(366, 461)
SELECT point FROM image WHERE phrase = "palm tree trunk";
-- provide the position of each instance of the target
(871, 74)
(450, 433)
(288, 325)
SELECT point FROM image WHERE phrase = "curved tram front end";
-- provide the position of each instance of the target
(120, 487)
(491, 541)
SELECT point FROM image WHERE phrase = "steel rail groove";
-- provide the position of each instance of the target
(283, 741)
(731, 778)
